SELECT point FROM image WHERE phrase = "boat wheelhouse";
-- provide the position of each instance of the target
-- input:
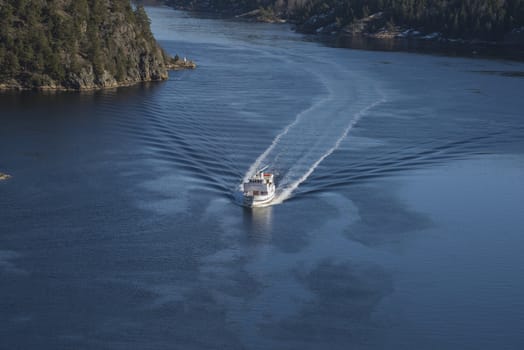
(259, 189)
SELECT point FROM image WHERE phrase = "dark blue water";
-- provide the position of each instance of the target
(398, 220)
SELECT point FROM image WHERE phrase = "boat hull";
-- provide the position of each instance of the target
(257, 201)
(259, 189)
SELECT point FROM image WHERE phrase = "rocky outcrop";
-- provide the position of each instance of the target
(265, 15)
(180, 64)
(4, 177)
(80, 45)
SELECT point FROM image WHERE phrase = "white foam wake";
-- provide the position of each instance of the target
(318, 131)
(287, 191)
(263, 157)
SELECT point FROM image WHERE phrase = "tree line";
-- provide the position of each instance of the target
(50, 40)
(466, 19)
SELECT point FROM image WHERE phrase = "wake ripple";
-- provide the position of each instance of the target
(318, 131)
(288, 189)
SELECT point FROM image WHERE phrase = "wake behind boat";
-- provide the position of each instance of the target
(259, 189)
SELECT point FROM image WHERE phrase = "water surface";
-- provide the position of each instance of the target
(397, 225)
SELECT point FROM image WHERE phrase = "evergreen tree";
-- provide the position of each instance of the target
(54, 40)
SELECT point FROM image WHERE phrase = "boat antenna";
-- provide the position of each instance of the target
(262, 169)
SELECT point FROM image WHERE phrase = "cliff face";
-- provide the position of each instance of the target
(76, 45)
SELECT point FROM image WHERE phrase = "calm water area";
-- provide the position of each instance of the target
(398, 222)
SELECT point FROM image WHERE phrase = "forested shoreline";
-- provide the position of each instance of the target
(76, 44)
(481, 20)
(91, 44)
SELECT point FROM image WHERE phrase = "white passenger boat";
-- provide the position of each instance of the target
(259, 189)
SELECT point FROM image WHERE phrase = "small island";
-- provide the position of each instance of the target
(4, 177)
(78, 45)
(176, 63)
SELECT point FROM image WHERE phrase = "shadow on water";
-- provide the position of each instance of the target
(344, 298)
(512, 74)
(447, 48)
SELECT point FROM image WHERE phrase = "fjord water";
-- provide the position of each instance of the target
(398, 222)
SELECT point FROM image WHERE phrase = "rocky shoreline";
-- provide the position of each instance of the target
(17, 86)
(81, 47)
(262, 15)
(85, 83)
(180, 64)
(373, 32)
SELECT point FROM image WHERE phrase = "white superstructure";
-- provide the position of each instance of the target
(259, 189)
